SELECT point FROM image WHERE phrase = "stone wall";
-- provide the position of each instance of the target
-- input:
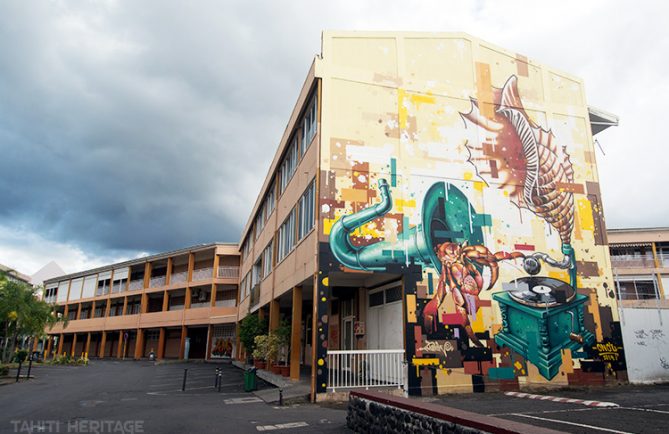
(365, 416)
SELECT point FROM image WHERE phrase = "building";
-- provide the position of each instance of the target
(14, 275)
(431, 220)
(446, 172)
(640, 261)
(177, 304)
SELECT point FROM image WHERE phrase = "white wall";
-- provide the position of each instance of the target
(646, 341)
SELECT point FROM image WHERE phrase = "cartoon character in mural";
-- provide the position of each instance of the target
(462, 279)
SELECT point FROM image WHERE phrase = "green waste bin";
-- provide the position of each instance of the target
(250, 380)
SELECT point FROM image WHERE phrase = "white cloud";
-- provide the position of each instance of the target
(27, 252)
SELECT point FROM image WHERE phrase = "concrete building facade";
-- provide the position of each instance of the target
(640, 262)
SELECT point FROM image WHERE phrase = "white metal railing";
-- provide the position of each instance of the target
(203, 273)
(179, 277)
(632, 261)
(228, 271)
(365, 368)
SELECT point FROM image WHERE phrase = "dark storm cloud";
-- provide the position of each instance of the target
(139, 126)
(131, 126)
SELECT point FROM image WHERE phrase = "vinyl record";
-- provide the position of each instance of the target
(540, 291)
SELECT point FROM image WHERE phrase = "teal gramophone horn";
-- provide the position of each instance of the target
(447, 216)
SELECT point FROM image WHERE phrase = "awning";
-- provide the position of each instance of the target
(623, 245)
(601, 120)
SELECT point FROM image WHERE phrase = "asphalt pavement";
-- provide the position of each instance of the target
(614, 409)
(141, 397)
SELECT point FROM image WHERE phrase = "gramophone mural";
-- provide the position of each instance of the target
(490, 211)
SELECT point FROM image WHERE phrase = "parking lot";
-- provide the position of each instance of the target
(125, 397)
(619, 409)
(133, 397)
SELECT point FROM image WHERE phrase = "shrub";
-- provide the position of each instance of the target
(249, 328)
(4, 370)
(20, 356)
(261, 347)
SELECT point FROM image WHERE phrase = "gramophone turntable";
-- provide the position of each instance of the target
(542, 316)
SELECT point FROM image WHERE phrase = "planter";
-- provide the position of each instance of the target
(276, 369)
(259, 363)
(285, 370)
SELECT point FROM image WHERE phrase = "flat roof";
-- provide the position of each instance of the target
(141, 260)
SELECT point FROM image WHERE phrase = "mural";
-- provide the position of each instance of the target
(482, 195)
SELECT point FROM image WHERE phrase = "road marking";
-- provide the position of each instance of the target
(582, 425)
(561, 399)
(644, 409)
(281, 426)
(243, 400)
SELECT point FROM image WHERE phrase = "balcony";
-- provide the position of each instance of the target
(180, 277)
(203, 273)
(157, 282)
(632, 261)
(228, 272)
(136, 284)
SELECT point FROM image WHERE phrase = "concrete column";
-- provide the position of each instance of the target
(658, 275)
(187, 299)
(49, 347)
(125, 305)
(88, 344)
(139, 344)
(147, 274)
(161, 344)
(79, 311)
(295, 334)
(273, 315)
(166, 301)
(107, 307)
(213, 295)
(60, 344)
(208, 348)
(74, 344)
(103, 344)
(119, 347)
(182, 344)
(92, 310)
(191, 266)
(168, 273)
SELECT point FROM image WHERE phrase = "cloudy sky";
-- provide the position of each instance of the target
(131, 127)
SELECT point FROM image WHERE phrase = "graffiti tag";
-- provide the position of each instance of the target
(607, 351)
(436, 347)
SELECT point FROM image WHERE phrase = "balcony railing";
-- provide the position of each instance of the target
(203, 273)
(228, 271)
(136, 284)
(350, 369)
(157, 282)
(180, 277)
(632, 261)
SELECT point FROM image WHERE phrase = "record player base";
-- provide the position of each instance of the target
(540, 334)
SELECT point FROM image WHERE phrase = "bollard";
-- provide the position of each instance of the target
(280, 397)
(220, 374)
(183, 386)
(18, 373)
(216, 378)
(30, 366)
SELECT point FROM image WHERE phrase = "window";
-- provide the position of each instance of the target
(269, 201)
(642, 288)
(288, 165)
(259, 222)
(257, 273)
(306, 217)
(246, 286)
(267, 260)
(286, 239)
(309, 122)
(246, 247)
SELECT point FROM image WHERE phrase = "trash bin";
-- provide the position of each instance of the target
(250, 380)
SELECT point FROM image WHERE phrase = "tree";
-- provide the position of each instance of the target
(249, 328)
(22, 314)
